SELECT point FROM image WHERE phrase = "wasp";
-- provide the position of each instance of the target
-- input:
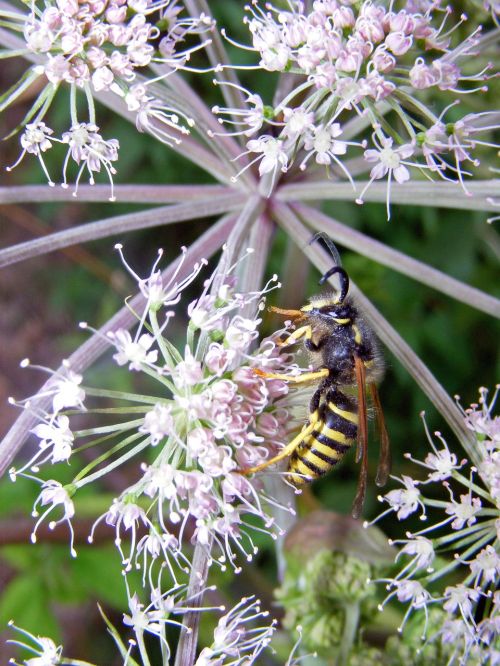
(347, 364)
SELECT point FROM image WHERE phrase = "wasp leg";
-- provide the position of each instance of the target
(362, 448)
(296, 379)
(384, 463)
(288, 450)
(296, 335)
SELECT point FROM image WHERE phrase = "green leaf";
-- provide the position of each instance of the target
(98, 572)
(20, 556)
(25, 601)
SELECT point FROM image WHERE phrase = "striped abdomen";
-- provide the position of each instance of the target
(335, 430)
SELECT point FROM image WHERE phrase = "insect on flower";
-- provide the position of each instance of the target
(345, 354)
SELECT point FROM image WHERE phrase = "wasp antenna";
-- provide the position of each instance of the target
(337, 268)
(332, 248)
(343, 280)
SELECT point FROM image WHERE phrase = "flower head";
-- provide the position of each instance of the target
(468, 527)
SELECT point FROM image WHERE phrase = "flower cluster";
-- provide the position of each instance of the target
(235, 643)
(236, 640)
(470, 629)
(368, 60)
(209, 418)
(45, 650)
(100, 46)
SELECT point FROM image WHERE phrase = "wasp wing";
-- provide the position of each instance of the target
(362, 446)
(384, 462)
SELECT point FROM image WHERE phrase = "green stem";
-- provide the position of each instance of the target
(351, 622)
(82, 480)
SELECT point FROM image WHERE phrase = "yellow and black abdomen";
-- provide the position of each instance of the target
(335, 431)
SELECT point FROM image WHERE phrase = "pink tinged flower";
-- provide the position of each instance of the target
(390, 160)
(118, 35)
(102, 79)
(294, 31)
(217, 461)
(39, 37)
(433, 143)
(309, 57)
(479, 418)
(463, 512)
(486, 565)
(269, 426)
(297, 122)
(161, 481)
(273, 156)
(120, 65)
(343, 17)
(56, 434)
(50, 654)
(158, 294)
(218, 358)
(359, 47)
(133, 352)
(96, 56)
(240, 333)
(325, 75)
(126, 513)
(370, 29)
(376, 86)
(236, 642)
(140, 54)
(461, 598)
(350, 92)
(67, 391)
(398, 43)
(324, 143)
(151, 618)
(87, 148)
(57, 69)
(54, 495)
(404, 501)
(72, 41)
(116, 14)
(413, 591)
(443, 462)
(422, 551)
(391, 163)
(422, 76)
(35, 140)
(489, 469)
(447, 74)
(199, 441)
(79, 72)
(188, 372)
(382, 60)
(68, 7)
(247, 120)
(158, 423)
(275, 54)
(52, 18)
(453, 631)
(349, 61)
(401, 22)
